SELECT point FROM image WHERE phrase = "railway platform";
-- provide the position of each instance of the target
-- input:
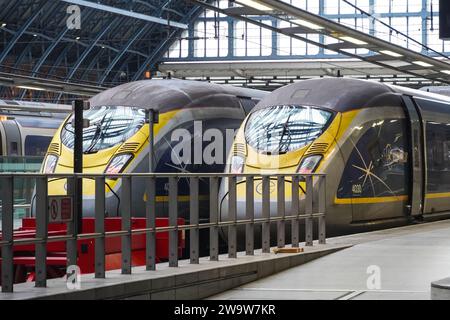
(187, 281)
(404, 261)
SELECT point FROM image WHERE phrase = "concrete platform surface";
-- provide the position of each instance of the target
(187, 281)
(397, 263)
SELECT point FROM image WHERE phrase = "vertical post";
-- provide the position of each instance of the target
(266, 214)
(322, 209)
(214, 218)
(41, 231)
(295, 211)
(125, 203)
(7, 196)
(309, 211)
(78, 107)
(100, 227)
(232, 208)
(281, 212)
(250, 215)
(194, 220)
(151, 223)
(71, 244)
(152, 117)
(173, 221)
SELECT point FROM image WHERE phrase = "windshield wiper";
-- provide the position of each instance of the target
(97, 135)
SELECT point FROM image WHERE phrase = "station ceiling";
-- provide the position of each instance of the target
(118, 41)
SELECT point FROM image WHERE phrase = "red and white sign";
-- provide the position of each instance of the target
(59, 209)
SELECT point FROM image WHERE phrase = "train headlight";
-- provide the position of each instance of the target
(50, 163)
(309, 164)
(237, 164)
(118, 163)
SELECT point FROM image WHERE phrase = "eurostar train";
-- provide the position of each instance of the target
(385, 151)
(117, 138)
(26, 128)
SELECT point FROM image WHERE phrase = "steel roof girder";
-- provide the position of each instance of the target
(336, 28)
(127, 13)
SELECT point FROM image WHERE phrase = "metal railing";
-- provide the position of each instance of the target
(313, 194)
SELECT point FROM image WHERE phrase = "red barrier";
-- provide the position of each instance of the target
(24, 256)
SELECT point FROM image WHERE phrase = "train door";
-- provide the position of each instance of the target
(416, 134)
(12, 138)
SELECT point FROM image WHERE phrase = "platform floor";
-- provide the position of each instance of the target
(409, 259)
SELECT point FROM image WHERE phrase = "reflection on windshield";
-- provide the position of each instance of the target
(280, 129)
(109, 126)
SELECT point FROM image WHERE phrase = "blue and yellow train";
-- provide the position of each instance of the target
(385, 150)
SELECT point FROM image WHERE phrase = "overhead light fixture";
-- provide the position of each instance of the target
(3, 25)
(254, 4)
(35, 35)
(422, 64)
(31, 88)
(391, 53)
(306, 24)
(77, 38)
(352, 40)
(445, 71)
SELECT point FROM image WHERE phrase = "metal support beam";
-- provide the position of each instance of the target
(17, 36)
(119, 56)
(157, 53)
(127, 13)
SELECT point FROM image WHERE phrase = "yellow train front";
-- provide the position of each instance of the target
(117, 137)
(385, 151)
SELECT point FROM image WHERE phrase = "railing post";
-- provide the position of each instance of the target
(151, 223)
(265, 214)
(71, 245)
(322, 209)
(281, 211)
(100, 227)
(309, 211)
(173, 221)
(214, 218)
(41, 231)
(232, 208)
(250, 215)
(125, 204)
(194, 219)
(7, 196)
(295, 211)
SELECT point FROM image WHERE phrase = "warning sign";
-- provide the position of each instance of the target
(59, 209)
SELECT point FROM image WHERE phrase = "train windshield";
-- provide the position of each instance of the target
(280, 129)
(108, 126)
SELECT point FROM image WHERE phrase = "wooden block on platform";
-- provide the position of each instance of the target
(287, 250)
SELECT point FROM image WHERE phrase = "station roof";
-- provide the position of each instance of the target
(116, 41)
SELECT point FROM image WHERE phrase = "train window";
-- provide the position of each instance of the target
(378, 164)
(280, 129)
(438, 157)
(13, 149)
(109, 126)
(36, 145)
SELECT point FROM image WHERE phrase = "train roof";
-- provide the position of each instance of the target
(166, 95)
(342, 94)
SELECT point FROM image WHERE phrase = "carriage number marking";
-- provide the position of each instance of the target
(357, 188)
